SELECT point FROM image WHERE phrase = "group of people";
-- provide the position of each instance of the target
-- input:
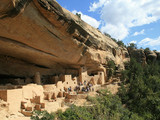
(82, 87)
(88, 88)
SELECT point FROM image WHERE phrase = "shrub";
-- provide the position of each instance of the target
(146, 50)
(104, 107)
(111, 68)
(75, 113)
(132, 46)
(108, 35)
(42, 115)
(79, 15)
(120, 43)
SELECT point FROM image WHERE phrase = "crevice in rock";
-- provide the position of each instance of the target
(15, 60)
(24, 45)
(19, 5)
(41, 66)
(2, 76)
(53, 34)
(9, 79)
(50, 5)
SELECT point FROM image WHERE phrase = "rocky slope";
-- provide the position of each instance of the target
(144, 56)
(40, 35)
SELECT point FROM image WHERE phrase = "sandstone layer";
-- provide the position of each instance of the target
(144, 56)
(41, 36)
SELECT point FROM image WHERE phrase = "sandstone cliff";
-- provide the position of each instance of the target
(41, 41)
(144, 56)
(40, 35)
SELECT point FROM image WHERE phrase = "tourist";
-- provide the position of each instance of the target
(83, 89)
(85, 82)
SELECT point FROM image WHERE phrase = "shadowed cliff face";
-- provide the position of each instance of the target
(40, 35)
(144, 56)
(11, 8)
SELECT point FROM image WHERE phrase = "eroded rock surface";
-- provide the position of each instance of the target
(158, 55)
(144, 56)
(41, 36)
(139, 54)
(151, 56)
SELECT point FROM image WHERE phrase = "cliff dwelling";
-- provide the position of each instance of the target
(49, 56)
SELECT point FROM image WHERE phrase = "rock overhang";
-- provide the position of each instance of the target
(45, 36)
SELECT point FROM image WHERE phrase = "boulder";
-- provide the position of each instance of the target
(158, 55)
(151, 56)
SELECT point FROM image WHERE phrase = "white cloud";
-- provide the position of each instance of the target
(139, 33)
(133, 42)
(149, 42)
(124, 14)
(92, 21)
(94, 6)
(119, 31)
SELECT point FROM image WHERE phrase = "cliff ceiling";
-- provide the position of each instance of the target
(40, 35)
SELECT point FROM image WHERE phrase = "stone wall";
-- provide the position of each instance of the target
(30, 97)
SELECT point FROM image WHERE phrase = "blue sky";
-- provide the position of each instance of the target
(136, 21)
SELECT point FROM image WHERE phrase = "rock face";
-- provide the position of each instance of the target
(151, 56)
(144, 56)
(158, 55)
(41, 36)
(139, 54)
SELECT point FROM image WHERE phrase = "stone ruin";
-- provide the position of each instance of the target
(26, 98)
(46, 52)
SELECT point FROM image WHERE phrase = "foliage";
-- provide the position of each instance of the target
(119, 42)
(111, 64)
(132, 46)
(114, 39)
(141, 89)
(79, 15)
(146, 49)
(106, 34)
(105, 107)
(75, 113)
(42, 115)
(111, 68)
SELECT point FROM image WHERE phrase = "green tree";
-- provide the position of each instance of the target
(132, 46)
(146, 49)
(141, 90)
(111, 68)
(78, 14)
(120, 43)
(106, 34)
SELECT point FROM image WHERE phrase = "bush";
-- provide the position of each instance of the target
(108, 35)
(132, 46)
(79, 15)
(75, 113)
(120, 43)
(104, 107)
(146, 50)
(42, 115)
(111, 68)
